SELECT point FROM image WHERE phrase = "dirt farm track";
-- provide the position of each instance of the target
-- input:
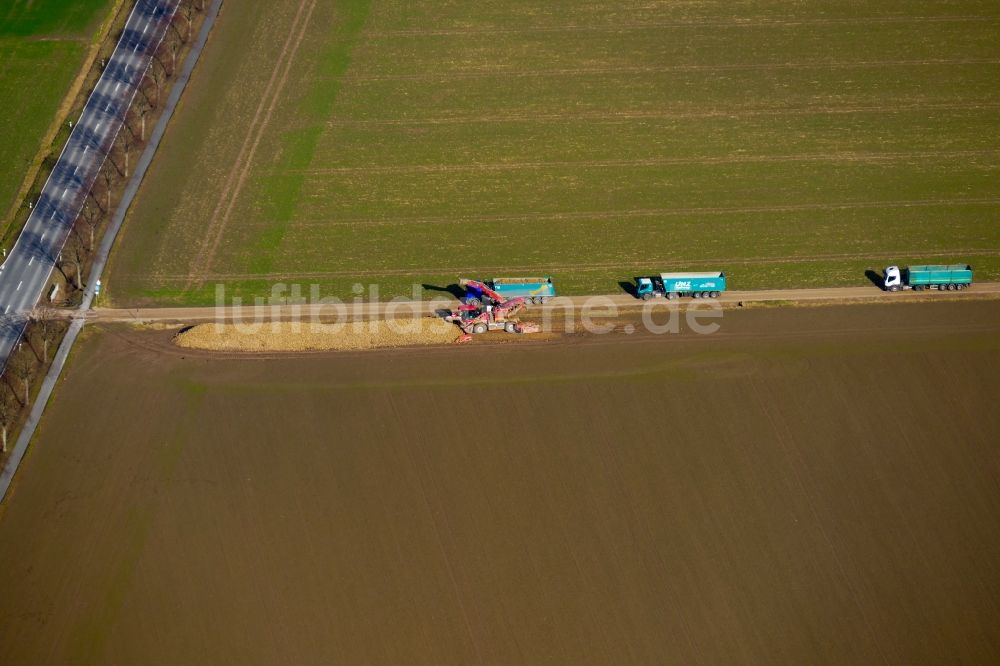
(808, 485)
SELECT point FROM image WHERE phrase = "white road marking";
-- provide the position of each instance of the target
(133, 67)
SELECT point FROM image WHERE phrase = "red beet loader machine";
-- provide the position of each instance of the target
(492, 313)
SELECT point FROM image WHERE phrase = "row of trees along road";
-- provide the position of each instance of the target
(32, 355)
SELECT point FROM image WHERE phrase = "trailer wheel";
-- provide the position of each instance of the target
(479, 329)
(715, 294)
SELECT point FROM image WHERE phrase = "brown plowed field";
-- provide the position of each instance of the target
(805, 486)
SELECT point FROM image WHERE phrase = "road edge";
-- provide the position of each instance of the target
(62, 113)
(100, 260)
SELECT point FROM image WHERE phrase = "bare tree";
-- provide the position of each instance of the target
(96, 195)
(45, 324)
(183, 32)
(74, 253)
(156, 76)
(174, 46)
(125, 143)
(91, 217)
(116, 158)
(23, 366)
(108, 176)
(141, 108)
(162, 56)
(9, 409)
(188, 8)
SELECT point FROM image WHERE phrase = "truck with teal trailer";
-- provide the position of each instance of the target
(944, 278)
(536, 290)
(674, 285)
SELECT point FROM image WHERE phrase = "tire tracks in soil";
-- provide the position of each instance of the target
(844, 156)
(805, 486)
(694, 23)
(590, 266)
(735, 113)
(652, 212)
(487, 72)
(258, 126)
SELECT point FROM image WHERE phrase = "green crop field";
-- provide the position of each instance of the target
(42, 44)
(399, 142)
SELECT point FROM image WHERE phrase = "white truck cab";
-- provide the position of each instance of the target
(893, 278)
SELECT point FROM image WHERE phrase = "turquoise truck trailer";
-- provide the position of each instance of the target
(675, 285)
(918, 278)
(536, 290)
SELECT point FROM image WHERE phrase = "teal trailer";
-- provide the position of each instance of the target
(944, 277)
(675, 285)
(534, 289)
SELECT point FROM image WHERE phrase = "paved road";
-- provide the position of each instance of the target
(49, 383)
(422, 308)
(25, 272)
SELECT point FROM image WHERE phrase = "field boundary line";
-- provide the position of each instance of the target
(653, 212)
(101, 258)
(708, 23)
(473, 73)
(241, 167)
(732, 113)
(845, 156)
(590, 266)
